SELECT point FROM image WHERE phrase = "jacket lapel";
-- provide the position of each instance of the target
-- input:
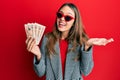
(56, 63)
(69, 63)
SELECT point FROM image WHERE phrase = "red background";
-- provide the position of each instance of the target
(101, 19)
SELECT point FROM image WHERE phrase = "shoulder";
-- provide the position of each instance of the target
(47, 36)
(50, 36)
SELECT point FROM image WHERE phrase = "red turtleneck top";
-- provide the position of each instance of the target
(63, 52)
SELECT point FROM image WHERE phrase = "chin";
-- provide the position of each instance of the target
(61, 30)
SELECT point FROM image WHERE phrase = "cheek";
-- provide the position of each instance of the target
(70, 24)
(57, 21)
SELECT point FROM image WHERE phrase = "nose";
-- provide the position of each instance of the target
(62, 18)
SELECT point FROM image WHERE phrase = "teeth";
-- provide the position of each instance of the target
(62, 24)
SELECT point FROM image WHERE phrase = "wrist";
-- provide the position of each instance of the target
(87, 46)
(38, 57)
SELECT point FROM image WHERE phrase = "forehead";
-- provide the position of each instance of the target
(67, 10)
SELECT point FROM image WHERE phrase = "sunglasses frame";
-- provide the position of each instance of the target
(62, 15)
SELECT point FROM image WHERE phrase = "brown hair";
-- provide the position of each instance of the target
(77, 35)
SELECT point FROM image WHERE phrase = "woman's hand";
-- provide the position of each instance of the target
(33, 48)
(99, 41)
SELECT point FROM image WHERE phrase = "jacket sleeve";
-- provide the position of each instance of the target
(86, 62)
(40, 67)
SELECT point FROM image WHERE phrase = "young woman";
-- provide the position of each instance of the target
(66, 52)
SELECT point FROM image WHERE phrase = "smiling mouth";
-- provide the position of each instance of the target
(61, 24)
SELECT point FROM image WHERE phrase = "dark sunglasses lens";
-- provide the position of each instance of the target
(59, 15)
(68, 18)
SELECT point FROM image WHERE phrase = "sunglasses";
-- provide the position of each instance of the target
(66, 17)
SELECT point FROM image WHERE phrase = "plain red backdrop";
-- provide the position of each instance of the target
(100, 17)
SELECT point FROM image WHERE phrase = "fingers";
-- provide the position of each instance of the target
(30, 43)
(31, 46)
(27, 40)
(107, 41)
(110, 40)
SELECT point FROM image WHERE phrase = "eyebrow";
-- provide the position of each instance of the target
(70, 14)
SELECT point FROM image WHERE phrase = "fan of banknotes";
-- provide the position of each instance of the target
(35, 31)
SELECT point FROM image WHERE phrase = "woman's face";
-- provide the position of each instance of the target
(63, 24)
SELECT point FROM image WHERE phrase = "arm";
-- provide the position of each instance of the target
(86, 53)
(39, 65)
(86, 63)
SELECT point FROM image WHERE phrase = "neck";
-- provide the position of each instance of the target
(64, 35)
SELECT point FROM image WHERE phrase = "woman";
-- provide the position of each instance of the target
(66, 52)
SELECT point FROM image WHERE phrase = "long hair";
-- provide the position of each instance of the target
(77, 35)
